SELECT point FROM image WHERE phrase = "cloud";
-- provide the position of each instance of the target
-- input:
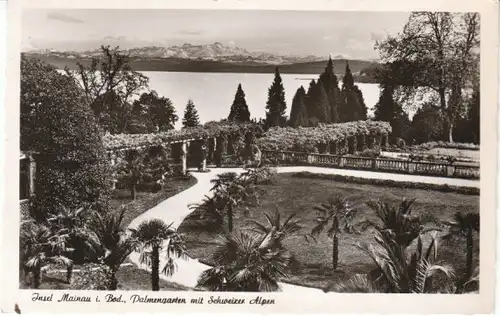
(190, 33)
(376, 36)
(63, 17)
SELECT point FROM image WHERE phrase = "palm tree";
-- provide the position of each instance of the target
(212, 207)
(340, 215)
(154, 235)
(359, 283)
(73, 223)
(398, 219)
(463, 226)
(245, 262)
(116, 244)
(289, 227)
(39, 247)
(231, 191)
(401, 273)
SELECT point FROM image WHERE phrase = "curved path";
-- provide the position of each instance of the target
(175, 209)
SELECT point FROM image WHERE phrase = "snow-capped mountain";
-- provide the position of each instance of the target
(215, 51)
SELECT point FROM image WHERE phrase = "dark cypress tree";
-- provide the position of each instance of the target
(191, 118)
(351, 104)
(298, 113)
(331, 85)
(390, 111)
(322, 107)
(310, 98)
(317, 104)
(239, 109)
(276, 105)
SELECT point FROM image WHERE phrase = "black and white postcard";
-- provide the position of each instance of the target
(250, 156)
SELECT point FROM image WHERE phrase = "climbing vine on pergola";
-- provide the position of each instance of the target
(337, 138)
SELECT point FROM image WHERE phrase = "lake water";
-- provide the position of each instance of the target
(213, 93)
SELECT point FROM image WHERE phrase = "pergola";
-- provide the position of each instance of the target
(218, 138)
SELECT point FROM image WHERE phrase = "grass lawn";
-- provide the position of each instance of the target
(314, 260)
(147, 200)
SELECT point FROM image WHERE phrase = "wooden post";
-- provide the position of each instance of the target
(184, 157)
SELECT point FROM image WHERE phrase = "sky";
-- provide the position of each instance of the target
(319, 33)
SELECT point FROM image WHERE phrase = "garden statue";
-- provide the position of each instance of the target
(257, 155)
(203, 155)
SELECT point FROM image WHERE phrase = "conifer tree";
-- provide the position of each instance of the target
(317, 104)
(310, 98)
(239, 109)
(298, 113)
(276, 105)
(191, 118)
(351, 104)
(331, 85)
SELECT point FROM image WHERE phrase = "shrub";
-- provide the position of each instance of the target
(371, 153)
(57, 122)
(92, 276)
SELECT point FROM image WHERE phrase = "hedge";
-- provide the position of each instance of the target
(389, 183)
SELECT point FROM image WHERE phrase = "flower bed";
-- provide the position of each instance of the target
(310, 138)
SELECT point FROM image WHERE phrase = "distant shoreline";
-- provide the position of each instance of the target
(190, 65)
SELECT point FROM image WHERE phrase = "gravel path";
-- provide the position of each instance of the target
(175, 209)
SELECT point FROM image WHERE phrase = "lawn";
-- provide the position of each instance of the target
(147, 200)
(313, 265)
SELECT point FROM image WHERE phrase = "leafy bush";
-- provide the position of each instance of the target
(371, 153)
(92, 276)
(57, 122)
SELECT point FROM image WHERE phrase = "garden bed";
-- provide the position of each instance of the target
(313, 266)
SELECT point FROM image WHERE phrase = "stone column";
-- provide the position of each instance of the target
(204, 155)
(354, 148)
(184, 157)
(385, 141)
(113, 167)
(369, 141)
(32, 174)
(214, 149)
(362, 142)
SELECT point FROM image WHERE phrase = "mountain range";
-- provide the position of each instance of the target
(214, 57)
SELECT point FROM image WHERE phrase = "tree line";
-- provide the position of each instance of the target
(324, 102)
